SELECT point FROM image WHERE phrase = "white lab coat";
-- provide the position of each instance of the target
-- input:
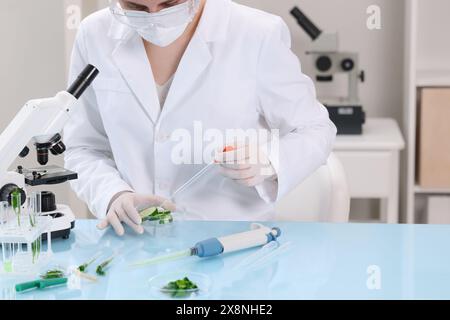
(238, 72)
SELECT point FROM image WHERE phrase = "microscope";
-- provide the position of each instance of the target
(346, 112)
(41, 122)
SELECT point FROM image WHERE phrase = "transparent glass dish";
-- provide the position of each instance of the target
(159, 282)
(158, 229)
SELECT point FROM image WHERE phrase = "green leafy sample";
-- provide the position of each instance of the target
(53, 274)
(160, 215)
(84, 266)
(16, 203)
(36, 249)
(101, 268)
(32, 221)
(180, 288)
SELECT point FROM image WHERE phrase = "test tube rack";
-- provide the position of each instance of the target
(18, 257)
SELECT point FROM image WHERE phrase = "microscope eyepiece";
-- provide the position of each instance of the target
(83, 81)
(310, 28)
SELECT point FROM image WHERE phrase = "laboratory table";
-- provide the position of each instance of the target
(323, 261)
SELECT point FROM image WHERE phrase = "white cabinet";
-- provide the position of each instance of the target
(368, 172)
(372, 164)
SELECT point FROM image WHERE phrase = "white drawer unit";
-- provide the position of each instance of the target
(369, 174)
(372, 164)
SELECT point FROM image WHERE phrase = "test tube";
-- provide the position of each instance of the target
(35, 250)
(38, 204)
(7, 250)
(34, 207)
(30, 210)
(2, 221)
(16, 203)
(37, 212)
(7, 254)
(3, 213)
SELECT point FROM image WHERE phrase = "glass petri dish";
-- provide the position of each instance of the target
(163, 228)
(159, 282)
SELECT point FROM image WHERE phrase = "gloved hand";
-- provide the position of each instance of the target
(124, 209)
(247, 165)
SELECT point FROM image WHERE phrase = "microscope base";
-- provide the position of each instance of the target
(63, 222)
(349, 119)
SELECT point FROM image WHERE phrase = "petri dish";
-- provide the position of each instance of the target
(163, 229)
(158, 286)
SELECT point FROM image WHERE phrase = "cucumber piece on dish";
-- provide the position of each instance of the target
(148, 213)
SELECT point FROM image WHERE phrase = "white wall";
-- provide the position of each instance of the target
(36, 48)
(32, 61)
(433, 50)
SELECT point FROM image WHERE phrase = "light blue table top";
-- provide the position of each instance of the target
(325, 261)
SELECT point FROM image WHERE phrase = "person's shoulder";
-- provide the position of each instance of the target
(254, 20)
(98, 21)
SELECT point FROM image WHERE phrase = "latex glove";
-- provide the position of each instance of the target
(124, 210)
(247, 165)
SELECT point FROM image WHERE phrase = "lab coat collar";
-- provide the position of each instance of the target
(118, 30)
(214, 23)
(131, 59)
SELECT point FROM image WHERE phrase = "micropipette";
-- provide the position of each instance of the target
(258, 236)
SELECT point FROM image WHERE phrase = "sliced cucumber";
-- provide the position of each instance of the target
(145, 214)
(156, 214)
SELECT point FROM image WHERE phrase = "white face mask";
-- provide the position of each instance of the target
(161, 36)
(160, 28)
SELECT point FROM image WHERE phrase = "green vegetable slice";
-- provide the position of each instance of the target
(160, 215)
(180, 288)
(145, 214)
(53, 274)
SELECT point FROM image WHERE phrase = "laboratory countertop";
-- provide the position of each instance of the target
(323, 261)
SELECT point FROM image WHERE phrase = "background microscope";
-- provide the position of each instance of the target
(346, 112)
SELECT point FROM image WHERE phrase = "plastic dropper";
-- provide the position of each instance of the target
(198, 175)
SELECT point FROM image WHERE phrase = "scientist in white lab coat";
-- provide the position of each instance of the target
(168, 66)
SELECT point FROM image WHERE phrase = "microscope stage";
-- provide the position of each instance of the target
(47, 175)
